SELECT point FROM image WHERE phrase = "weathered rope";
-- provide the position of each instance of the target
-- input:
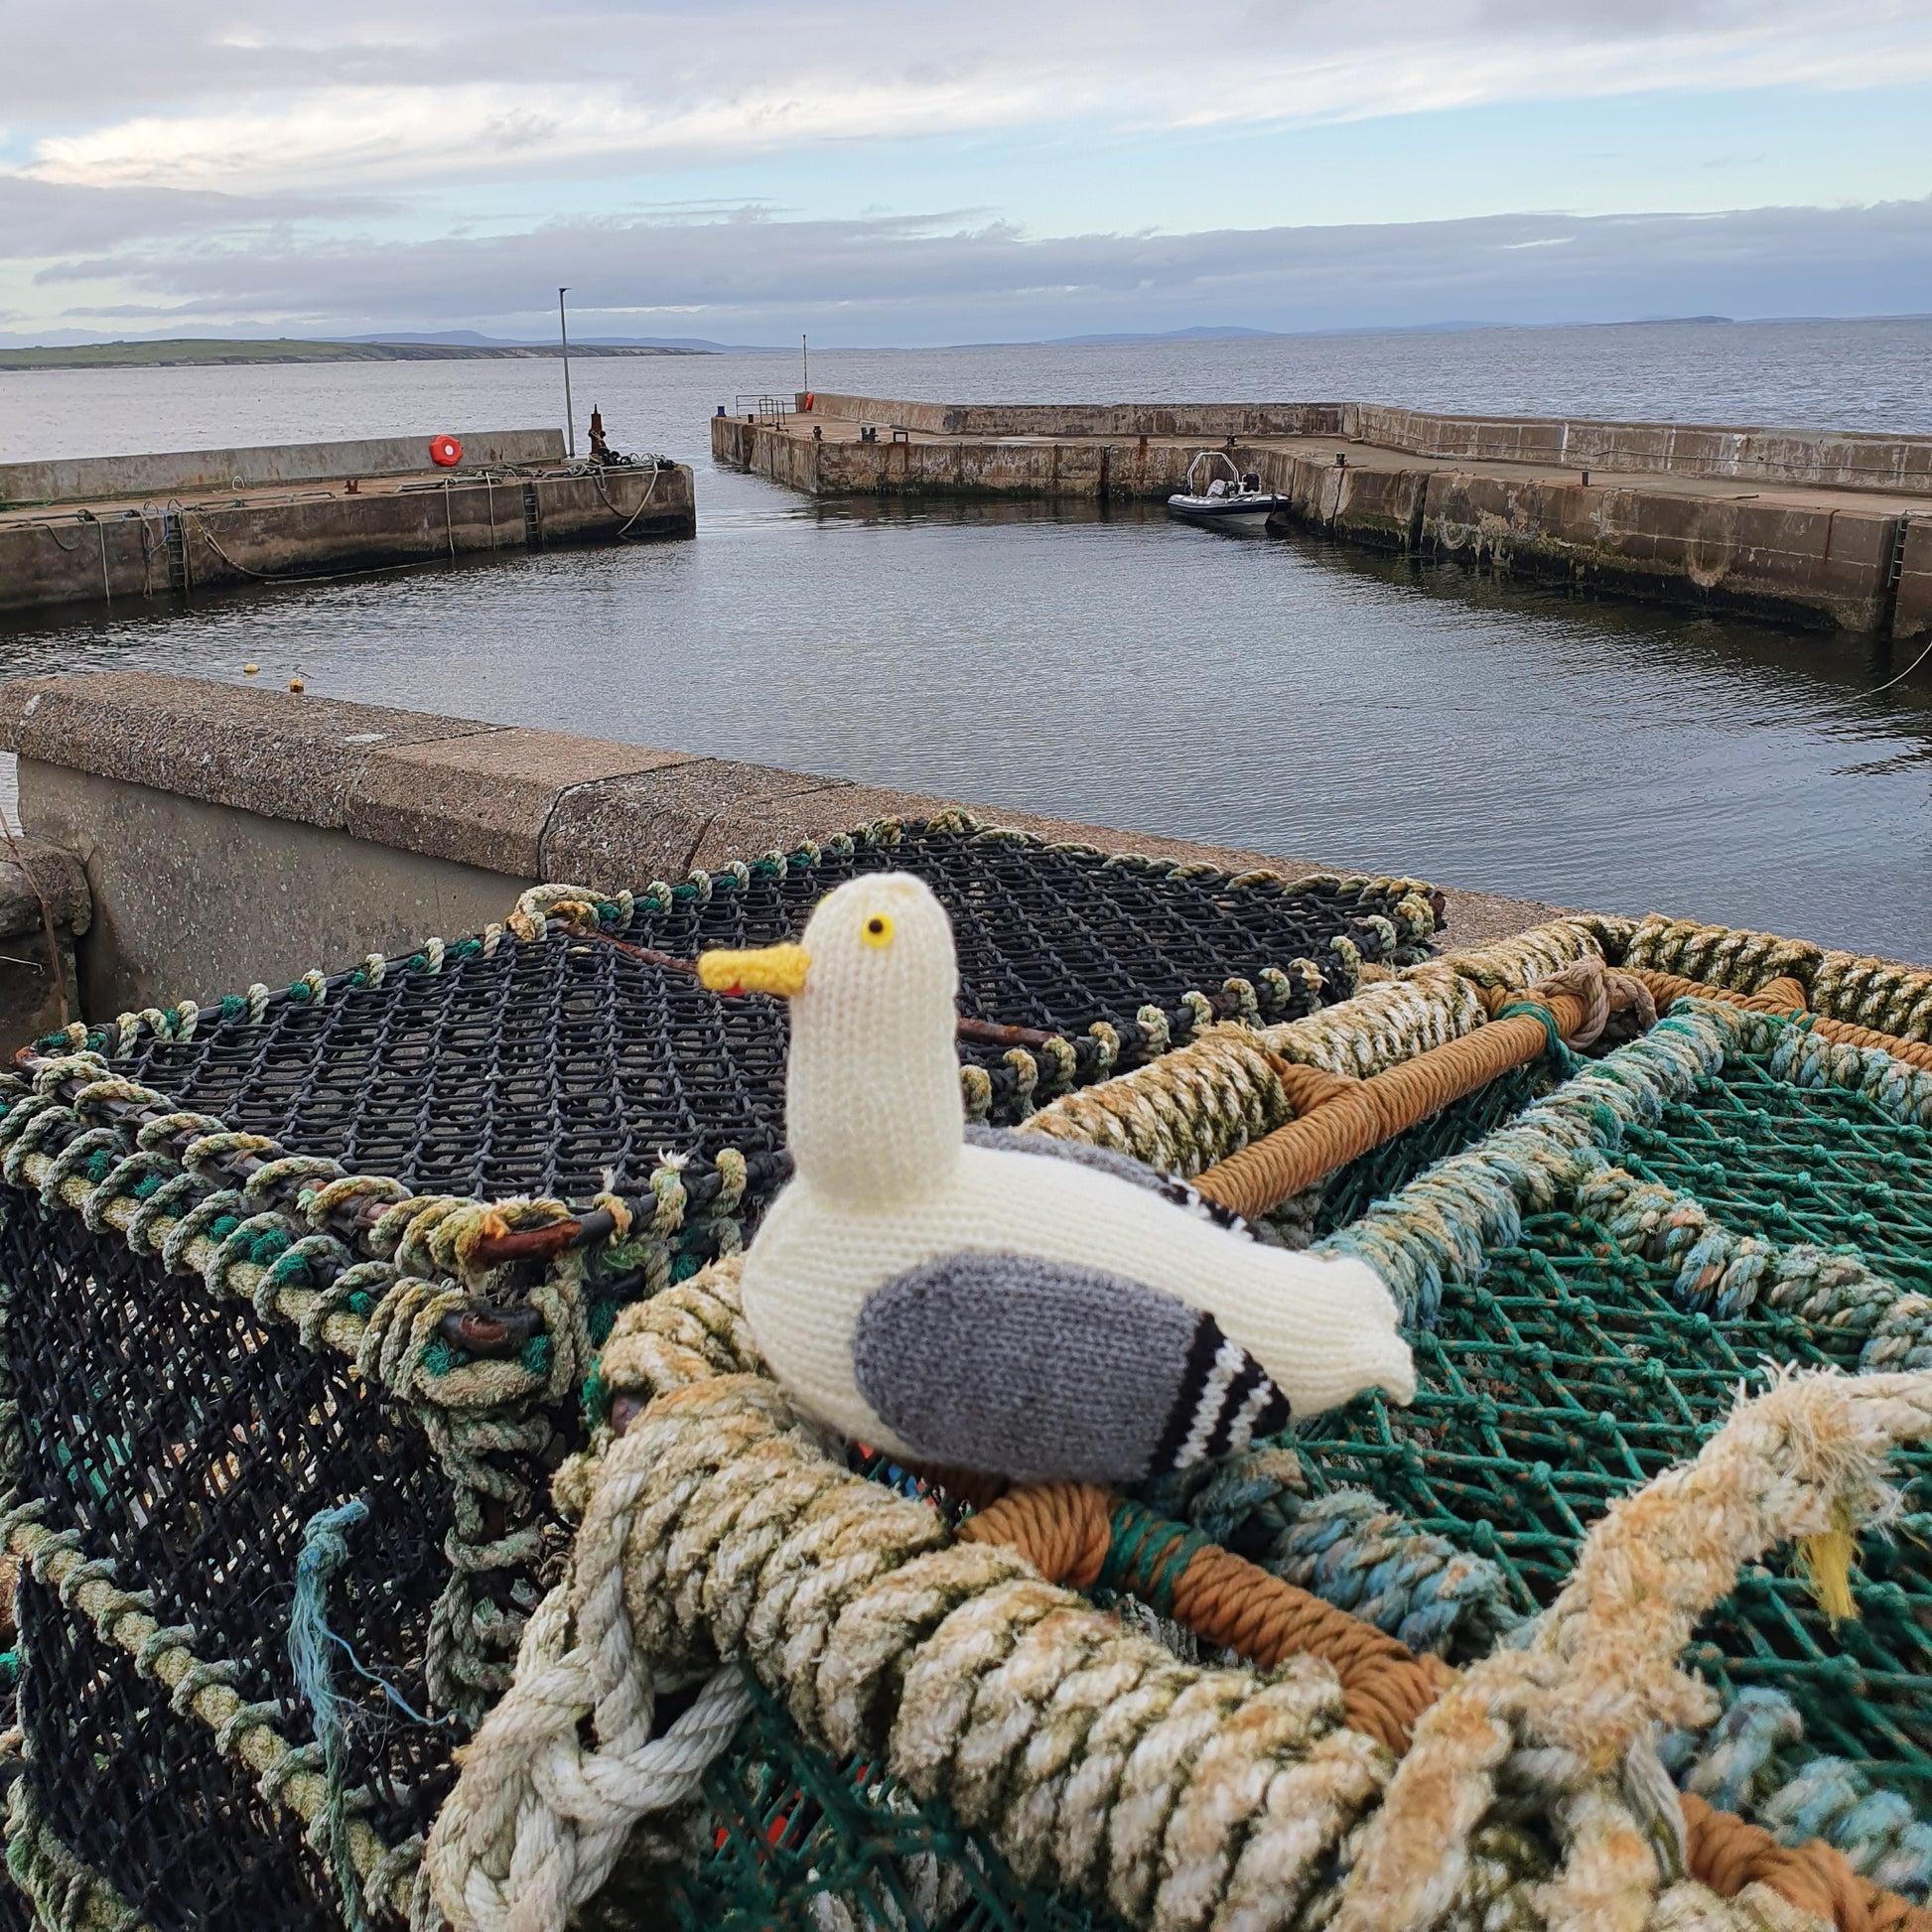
(1440, 1225)
(716, 1528)
(1063, 1529)
(271, 1243)
(1728, 1854)
(62, 1892)
(1348, 1547)
(1228, 1086)
(1787, 997)
(1879, 994)
(1739, 1766)
(1902, 1090)
(289, 1776)
(1343, 1123)
(1075, 1534)
(1601, 1671)
(1223, 1091)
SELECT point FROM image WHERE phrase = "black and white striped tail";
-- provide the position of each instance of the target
(1224, 1402)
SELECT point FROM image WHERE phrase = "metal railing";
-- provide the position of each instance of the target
(763, 409)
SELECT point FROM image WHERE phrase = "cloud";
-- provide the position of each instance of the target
(956, 278)
(39, 219)
(300, 96)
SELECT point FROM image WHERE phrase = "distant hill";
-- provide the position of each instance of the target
(1197, 333)
(192, 353)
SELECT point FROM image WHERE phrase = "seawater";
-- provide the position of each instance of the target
(1289, 695)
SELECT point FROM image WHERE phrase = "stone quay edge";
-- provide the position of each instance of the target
(230, 833)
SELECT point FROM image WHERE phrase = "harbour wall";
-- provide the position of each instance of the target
(1853, 568)
(1821, 551)
(1216, 419)
(1828, 458)
(68, 478)
(219, 834)
(112, 555)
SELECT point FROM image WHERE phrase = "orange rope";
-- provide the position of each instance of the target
(1358, 1115)
(1728, 1854)
(1385, 1685)
(1063, 1529)
(1787, 996)
(1338, 1120)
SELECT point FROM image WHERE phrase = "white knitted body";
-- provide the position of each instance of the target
(884, 1182)
(1323, 1330)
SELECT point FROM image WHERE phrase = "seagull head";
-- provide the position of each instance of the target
(872, 1089)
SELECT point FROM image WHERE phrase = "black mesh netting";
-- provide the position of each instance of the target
(177, 1829)
(191, 1445)
(188, 1440)
(539, 1068)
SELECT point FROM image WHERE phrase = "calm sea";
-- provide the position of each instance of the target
(1286, 695)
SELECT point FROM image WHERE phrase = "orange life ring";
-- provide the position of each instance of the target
(444, 452)
(807, 401)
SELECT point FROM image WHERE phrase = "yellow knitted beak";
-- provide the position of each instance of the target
(779, 970)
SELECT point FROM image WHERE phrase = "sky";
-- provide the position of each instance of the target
(876, 173)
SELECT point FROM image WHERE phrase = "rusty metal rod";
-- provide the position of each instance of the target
(483, 1330)
(982, 1033)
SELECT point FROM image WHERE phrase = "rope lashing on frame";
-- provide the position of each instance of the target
(1339, 1119)
(717, 1530)
(1879, 994)
(1786, 997)
(1075, 1534)
(1069, 1532)
(1601, 1672)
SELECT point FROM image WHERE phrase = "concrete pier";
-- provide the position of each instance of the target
(1820, 529)
(220, 833)
(126, 529)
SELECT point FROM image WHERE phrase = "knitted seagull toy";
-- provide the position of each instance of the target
(955, 1297)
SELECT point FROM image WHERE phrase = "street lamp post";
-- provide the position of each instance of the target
(563, 331)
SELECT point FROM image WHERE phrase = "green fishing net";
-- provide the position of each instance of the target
(1573, 1374)
(1569, 1375)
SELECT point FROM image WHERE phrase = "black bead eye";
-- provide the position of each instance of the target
(878, 931)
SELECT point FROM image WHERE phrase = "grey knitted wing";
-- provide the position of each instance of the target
(1041, 1369)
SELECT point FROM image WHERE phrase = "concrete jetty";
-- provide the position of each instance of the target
(1819, 527)
(125, 529)
(188, 832)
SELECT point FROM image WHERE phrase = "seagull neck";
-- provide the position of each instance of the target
(876, 1174)
(871, 1123)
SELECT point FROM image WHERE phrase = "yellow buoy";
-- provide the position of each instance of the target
(295, 684)
(249, 670)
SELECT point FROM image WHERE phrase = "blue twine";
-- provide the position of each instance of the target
(325, 1549)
